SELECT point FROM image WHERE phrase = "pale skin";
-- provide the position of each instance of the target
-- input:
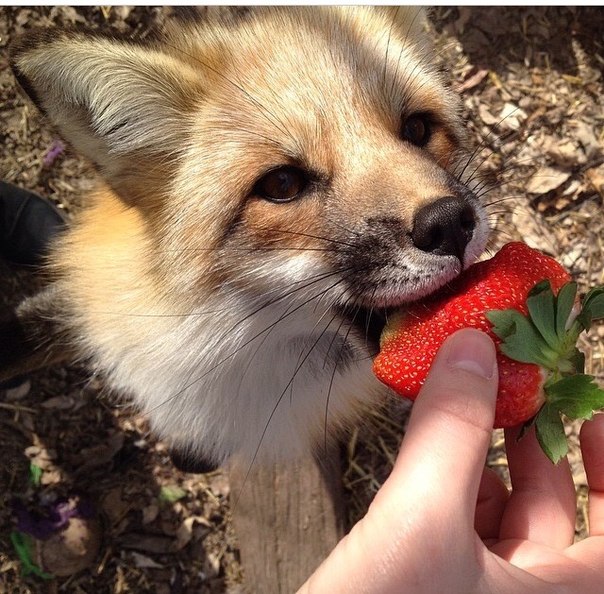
(442, 523)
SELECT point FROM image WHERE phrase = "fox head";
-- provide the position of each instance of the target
(272, 187)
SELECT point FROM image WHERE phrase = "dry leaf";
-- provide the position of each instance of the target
(114, 505)
(545, 180)
(511, 117)
(472, 81)
(59, 403)
(144, 562)
(486, 116)
(160, 545)
(564, 152)
(595, 175)
(184, 534)
(586, 136)
(150, 513)
(101, 454)
(51, 477)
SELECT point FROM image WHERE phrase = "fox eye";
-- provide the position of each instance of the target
(282, 184)
(417, 129)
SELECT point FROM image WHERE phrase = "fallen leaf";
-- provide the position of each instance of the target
(595, 176)
(58, 403)
(486, 116)
(52, 477)
(115, 506)
(160, 545)
(472, 81)
(19, 392)
(586, 136)
(545, 180)
(144, 562)
(533, 229)
(171, 493)
(184, 534)
(68, 13)
(511, 117)
(150, 513)
(564, 152)
(101, 454)
(40, 456)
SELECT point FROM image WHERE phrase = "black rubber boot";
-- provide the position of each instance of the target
(27, 224)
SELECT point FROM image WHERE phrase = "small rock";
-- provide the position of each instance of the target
(71, 550)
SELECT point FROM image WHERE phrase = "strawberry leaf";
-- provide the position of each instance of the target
(542, 309)
(564, 305)
(521, 340)
(593, 307)
(576, 396)
(550, 433)
(503, 322)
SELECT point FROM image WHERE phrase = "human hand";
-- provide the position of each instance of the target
(443, 523)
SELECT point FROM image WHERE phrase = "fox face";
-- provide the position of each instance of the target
(272, 187)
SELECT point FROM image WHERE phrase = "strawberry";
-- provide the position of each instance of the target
(525, 302)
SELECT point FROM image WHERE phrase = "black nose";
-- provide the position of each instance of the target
(444, 227)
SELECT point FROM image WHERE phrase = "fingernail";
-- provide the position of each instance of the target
(473, 351)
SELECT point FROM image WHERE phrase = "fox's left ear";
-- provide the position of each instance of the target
(116, 102)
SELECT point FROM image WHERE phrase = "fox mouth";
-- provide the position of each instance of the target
(369, 315)
(369, 321)
(366, 323)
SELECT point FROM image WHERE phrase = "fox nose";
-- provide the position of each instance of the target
(444, 227)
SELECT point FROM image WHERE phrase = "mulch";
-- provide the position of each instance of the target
(531, 82)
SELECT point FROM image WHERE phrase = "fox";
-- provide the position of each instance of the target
(270, 188)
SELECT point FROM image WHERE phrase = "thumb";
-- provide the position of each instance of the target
(449, 431)
(427, 504)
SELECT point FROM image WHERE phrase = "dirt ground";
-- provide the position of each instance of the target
(532, 87)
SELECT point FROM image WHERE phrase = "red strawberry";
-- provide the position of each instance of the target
(536, 356)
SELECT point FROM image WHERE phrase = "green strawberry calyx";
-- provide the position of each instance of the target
(547, 337)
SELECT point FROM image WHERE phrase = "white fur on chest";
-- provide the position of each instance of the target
(262, 385)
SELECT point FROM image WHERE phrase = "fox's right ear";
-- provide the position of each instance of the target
(117, 102)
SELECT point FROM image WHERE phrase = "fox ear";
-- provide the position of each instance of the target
(408, 22)
(112, 100)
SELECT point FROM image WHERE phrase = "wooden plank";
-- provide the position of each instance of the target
(287, 519)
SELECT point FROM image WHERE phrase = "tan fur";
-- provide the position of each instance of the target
(175, 275)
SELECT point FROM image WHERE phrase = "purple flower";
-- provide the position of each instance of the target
(56, 148)
(42, 523)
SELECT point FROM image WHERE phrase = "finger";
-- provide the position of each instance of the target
(444, 450)
(592, 446)
(542, 505)
(492, 497)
